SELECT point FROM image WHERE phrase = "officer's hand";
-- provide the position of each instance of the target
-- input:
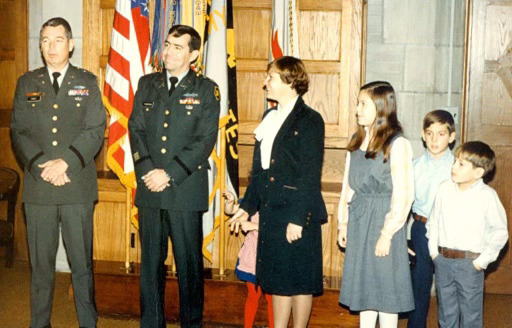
(61, 180)
(237, 219)
(156, 180)
(53, 169)
(293, 232)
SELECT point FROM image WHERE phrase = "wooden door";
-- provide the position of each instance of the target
(13, 63)
(489, 109)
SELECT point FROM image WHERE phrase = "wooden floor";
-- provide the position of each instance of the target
(226, 300)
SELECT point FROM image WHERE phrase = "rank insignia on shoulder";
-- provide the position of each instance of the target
(216, 92)
(148, 104)
(33, 96)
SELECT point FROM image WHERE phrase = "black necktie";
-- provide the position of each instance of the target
(55, 82)
(173, 80)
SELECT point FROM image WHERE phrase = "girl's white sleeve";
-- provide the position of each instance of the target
(402, 175)
(346, 195)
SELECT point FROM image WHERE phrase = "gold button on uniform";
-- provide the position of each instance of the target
(55, 106)
(147, 109)
(199, 167)
(164, 138)
(163, 150)
(166, 125)
(272, 161)
(55, 118)
(272, 179)
(54, 130)
(167, 112)
(77, 104)
(55, 143)
(188, 113)
(33, 105)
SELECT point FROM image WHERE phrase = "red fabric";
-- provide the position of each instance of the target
(251, 306)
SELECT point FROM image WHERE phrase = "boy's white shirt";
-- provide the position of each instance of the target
(468, 220)
(403, 188)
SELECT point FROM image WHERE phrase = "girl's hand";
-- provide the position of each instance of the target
(237, 219)
(293, 232)
(248, 226)
(383, 246)
(342, 236)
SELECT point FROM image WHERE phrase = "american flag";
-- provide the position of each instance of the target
(129, 59)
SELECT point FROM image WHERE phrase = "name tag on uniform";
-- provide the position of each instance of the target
(33, 96)
(148, 104)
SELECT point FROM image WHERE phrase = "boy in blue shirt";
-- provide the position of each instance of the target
(467, 228)
(430, 169)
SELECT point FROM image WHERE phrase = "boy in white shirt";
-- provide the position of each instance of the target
(466, 229)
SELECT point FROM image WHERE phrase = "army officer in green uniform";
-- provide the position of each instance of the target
(57, 127)
(173, 129)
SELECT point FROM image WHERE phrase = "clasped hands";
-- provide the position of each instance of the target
(240, 220)
(54, 172)
(156, 180)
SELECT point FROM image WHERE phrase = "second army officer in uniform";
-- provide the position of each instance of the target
(173, 129)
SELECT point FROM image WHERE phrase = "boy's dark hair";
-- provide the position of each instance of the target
(439, 116)
(54, 22)
(479, 154)
(292, 71)
(195, 38)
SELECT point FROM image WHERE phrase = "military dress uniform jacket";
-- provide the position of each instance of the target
(291, 184)
(69, 125)
(176, 134)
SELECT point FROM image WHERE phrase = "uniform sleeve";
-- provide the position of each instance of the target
(82, 150)
(199, 149)
(496, 233)
(138, 141)
(402, 175)
(433, 223)
(311, 150)
(27, 148)
(346, 196)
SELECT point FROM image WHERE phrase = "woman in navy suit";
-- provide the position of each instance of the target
(285, 188)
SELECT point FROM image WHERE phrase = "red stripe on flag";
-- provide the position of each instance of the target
(276, 49)
(118, 102)
(116, 131)
(141, 25)
(120, 64)
(118, 155)
(122, 25)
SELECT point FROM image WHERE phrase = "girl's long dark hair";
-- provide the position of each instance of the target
(386, 125)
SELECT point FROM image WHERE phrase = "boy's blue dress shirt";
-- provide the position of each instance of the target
(428, 175)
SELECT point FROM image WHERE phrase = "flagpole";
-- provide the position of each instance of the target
(127, 229)
(222, 225)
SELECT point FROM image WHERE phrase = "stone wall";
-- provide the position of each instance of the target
(408, 45)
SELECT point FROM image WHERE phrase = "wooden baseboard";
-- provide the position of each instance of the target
(117, 292)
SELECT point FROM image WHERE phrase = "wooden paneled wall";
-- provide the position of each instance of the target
(13, 63)
(330, 44)
(489, 116)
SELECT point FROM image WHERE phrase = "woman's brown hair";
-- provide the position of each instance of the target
(386, 125)
(292, 71)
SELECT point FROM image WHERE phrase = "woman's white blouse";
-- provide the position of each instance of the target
(268, 128)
